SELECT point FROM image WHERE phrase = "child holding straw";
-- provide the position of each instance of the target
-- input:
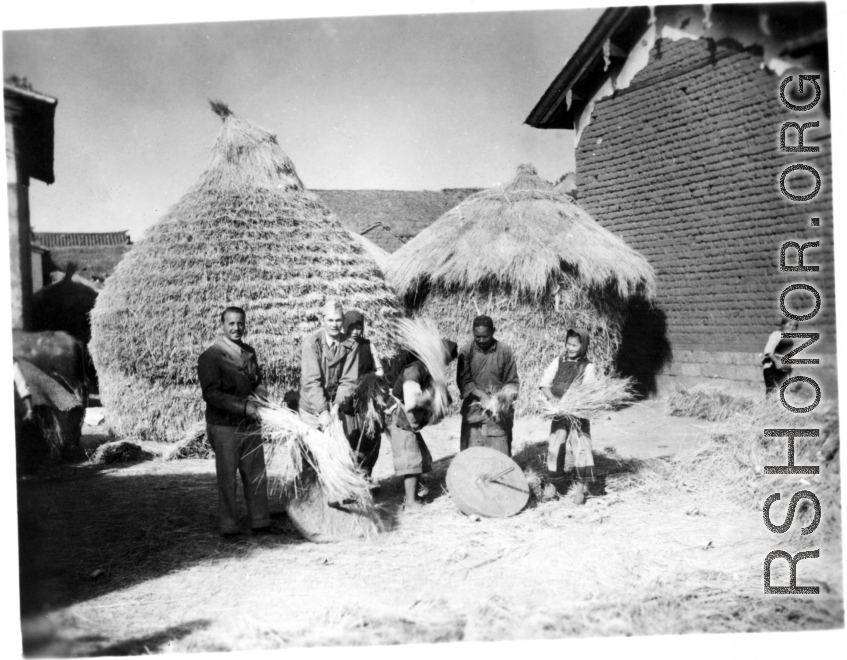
(562, 373)
(418, 401)
(365, 439)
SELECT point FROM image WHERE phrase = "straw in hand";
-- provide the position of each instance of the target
(289, 442)
(585, 399)
(500, 404)
(421, 337)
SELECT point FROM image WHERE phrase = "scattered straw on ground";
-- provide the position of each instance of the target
(662, 546)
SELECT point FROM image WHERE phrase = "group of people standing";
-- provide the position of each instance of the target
(334, 359)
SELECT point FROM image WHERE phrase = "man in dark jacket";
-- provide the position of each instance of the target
(229, 374)
(486, 366)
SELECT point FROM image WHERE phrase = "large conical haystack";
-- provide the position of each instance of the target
(533, 260)
(246, 234)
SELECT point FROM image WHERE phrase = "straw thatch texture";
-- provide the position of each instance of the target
(529, 257)
(246, 234)
(373, 250)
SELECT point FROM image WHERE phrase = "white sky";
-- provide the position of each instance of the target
(402, 102)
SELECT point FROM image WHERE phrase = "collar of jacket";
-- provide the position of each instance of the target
(240, 354)
(329, 341)
(490, 349)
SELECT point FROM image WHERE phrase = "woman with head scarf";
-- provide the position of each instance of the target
(365, 444)
(572, 366)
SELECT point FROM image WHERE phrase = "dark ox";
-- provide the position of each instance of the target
(57, 354)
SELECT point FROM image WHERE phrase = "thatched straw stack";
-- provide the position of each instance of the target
(533, 260)
(247, 234)
(567, 185)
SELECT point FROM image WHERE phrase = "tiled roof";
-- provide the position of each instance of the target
(94, 239)
(398, 214)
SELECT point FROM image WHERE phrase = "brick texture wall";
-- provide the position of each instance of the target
(684, 165)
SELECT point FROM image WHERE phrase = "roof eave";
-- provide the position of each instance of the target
(549, 112)
(35, 114)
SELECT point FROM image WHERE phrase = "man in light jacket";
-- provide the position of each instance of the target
(329, 369)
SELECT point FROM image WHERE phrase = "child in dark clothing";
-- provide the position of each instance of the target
(563, 372)
(365, 445)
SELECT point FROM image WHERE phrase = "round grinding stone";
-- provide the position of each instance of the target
(485, 482)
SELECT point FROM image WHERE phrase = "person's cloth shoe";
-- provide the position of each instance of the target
(579, 494)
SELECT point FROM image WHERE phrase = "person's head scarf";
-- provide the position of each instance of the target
(583, 337)
(352, 317)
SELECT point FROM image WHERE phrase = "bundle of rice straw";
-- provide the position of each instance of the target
(289, 441)
(585, 399)
(194, 444)
(371, 400)
(421, 337)
(500, 404)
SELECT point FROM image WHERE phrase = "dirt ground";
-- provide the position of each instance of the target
(125, 559)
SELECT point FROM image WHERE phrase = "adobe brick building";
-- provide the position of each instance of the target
(677, 116)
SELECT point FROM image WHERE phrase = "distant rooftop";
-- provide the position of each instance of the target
(389, 218)
(51, 240)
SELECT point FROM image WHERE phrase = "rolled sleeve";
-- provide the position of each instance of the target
(549, 374)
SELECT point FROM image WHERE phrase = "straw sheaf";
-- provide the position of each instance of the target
(520, 235)
(245, 234)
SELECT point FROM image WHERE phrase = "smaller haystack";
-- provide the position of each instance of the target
(567, 185)
(528, 256)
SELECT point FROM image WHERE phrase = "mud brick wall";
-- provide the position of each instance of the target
(684, 165)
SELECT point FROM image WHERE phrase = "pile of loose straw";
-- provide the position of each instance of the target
(289, 442)
(587, 398)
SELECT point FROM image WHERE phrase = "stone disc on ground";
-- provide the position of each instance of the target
(311, 514)
(485, 482)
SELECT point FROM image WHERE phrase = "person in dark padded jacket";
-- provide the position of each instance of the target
(229, 375)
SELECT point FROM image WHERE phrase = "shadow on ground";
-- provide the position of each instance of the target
(91, 531)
